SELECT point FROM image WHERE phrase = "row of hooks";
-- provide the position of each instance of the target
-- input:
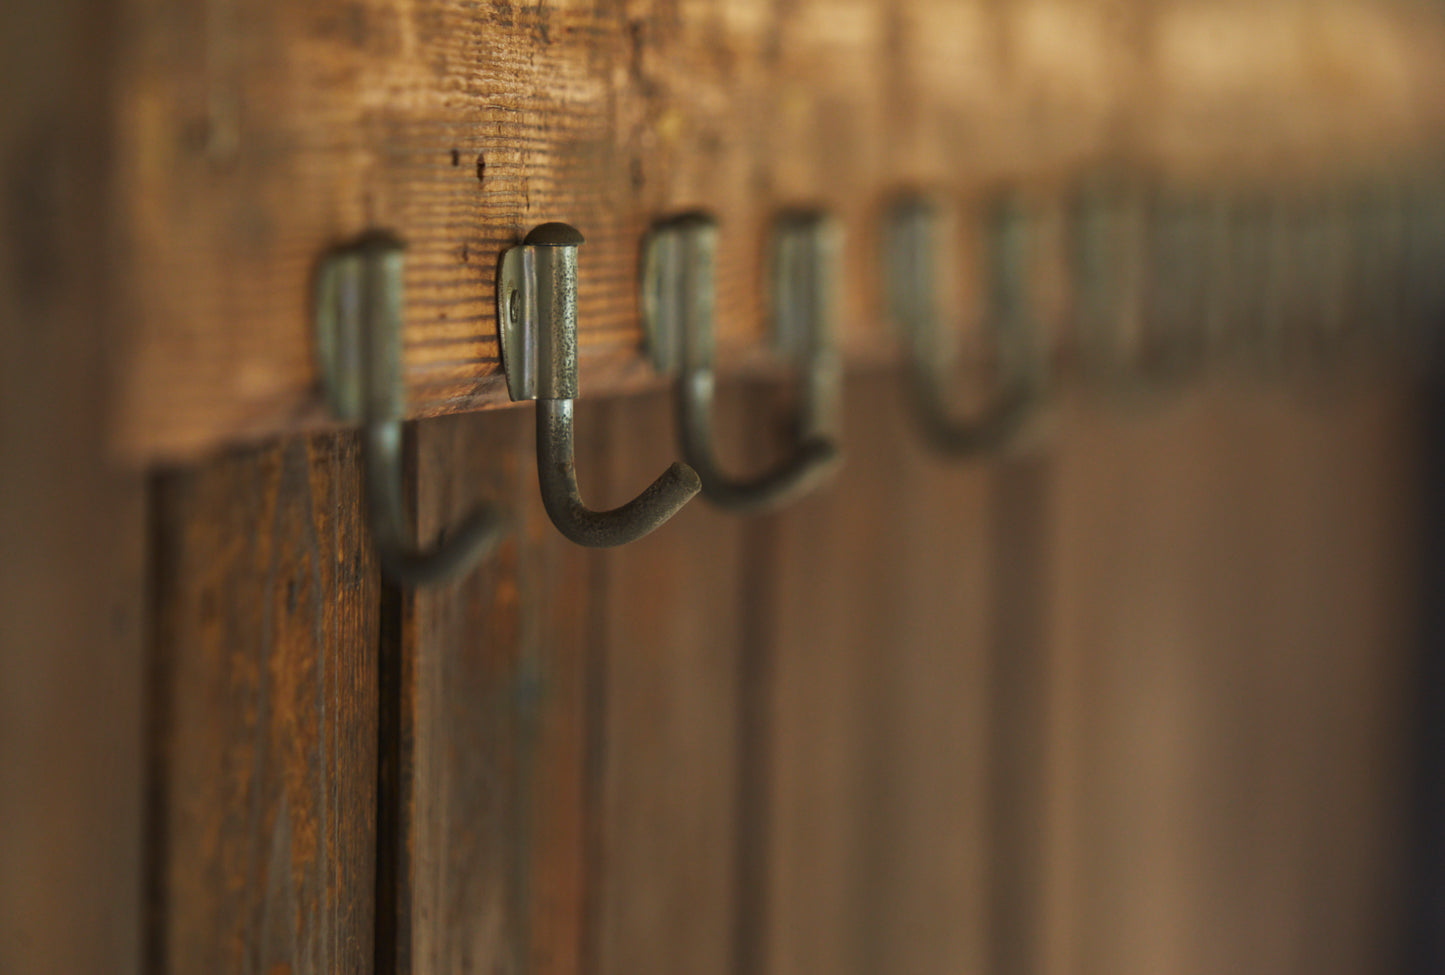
(1159, 284)
(1166, 282)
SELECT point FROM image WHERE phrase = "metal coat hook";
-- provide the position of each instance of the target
(1177, 292)
(537, 324)
(1152, 285)
(358, 321)
(678, 303)
(1106, 280)
(911, 252)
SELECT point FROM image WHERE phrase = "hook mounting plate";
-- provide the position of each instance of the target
(677, 293)
(517, 321)
(359, 298)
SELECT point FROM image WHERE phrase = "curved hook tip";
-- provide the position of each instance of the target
(687, 483)
(639, 517)
(1003, 421)
(813, 462)
(557, 473)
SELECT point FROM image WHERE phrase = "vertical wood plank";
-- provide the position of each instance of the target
(1020, 552)
(264, 714)
(1162, 524)
(1343, 562)
(835, 615)
(898, 756)
(673, 622)
(938, 712)
(1231, 643)
(494, 677)
(1425, 940)
(72, 522)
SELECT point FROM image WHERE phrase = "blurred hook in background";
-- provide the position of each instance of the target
(359, 301)
(911, 254)
(678, 299)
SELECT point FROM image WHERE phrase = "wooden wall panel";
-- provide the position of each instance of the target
(1130, 698)
(252, 138)
(493, 675)
(1232, 643)
(673, 615)
(836, 579)
(72, 521)
(1020, 556)
(933, 857)
(264, 714)
(906, 675)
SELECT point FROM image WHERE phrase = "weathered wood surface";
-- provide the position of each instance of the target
(568, 720)
(264, 715)
(72, 524)
(250, 138)
(494, 676)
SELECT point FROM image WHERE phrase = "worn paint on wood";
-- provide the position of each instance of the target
(264, 704)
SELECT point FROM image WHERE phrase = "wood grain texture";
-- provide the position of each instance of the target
(250, 138)
(569, 720)
(495, 676)
(265, 714)
(72, 522)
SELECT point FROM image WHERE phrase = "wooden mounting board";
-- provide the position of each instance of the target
(251, 137)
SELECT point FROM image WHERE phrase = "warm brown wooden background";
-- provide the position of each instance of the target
(72, 523)
(250, 138)
(1134, 700)
(264, 698)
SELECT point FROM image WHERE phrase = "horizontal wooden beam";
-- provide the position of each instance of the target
(250, 138)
